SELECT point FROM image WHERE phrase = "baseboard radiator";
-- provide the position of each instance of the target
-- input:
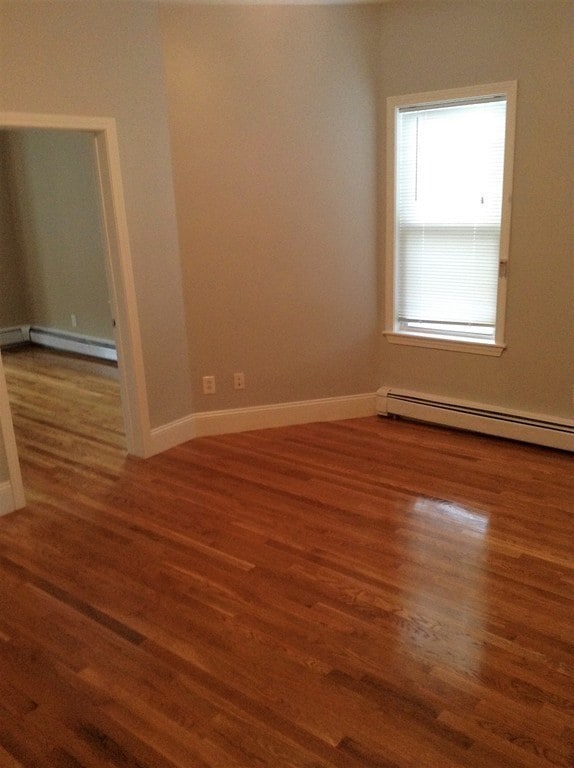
(476, 417)
(17, 334)
(60, 340)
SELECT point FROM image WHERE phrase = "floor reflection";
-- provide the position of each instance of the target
(445, 603)
(455, 514)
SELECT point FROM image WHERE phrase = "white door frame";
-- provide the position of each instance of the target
(121, 288)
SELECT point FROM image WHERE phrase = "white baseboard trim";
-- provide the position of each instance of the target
(284, 414)
(6, 498)
(169, 435)
(223, 422)
(17, 334)
(74, 342)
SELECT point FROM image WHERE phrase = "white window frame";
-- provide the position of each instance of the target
(394, 104)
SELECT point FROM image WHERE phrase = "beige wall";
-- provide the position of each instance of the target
(58, 218)
(104, 58)
(273, 129)
(437, 45)
(14, 309)
(272, 114)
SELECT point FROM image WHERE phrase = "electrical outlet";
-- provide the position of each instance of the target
(73, 320)
(239, 381)
(209, 385)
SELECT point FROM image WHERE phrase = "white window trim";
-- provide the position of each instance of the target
(509, 89)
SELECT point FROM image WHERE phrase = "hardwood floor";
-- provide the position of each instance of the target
(363, 593)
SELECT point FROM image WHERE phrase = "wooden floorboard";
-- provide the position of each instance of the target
(360, 594)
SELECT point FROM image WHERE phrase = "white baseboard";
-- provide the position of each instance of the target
(6, 498)
(169, 435)
(260, 417)
(284, 414)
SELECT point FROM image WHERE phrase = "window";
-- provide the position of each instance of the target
(449, 181)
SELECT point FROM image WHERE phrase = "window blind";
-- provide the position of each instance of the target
(449, 178)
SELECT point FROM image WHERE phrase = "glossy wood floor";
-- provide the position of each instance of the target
(363, 593)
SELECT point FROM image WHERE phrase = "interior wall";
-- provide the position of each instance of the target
(273, 126)
(104, 58)
(437, 45)
(273, 130)
(14, 308)
(58, 219)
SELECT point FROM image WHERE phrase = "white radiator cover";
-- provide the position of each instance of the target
(61, 340)
(477, 417)
(17, 334)
(73, 342)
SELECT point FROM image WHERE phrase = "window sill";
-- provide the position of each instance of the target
(451, 345)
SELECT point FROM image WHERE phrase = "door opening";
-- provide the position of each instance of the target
(121, 291)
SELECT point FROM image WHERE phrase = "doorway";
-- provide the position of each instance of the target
(120, 284)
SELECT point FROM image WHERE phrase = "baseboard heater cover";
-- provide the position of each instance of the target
(18, 334)
(72, 342)
(476, 417)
